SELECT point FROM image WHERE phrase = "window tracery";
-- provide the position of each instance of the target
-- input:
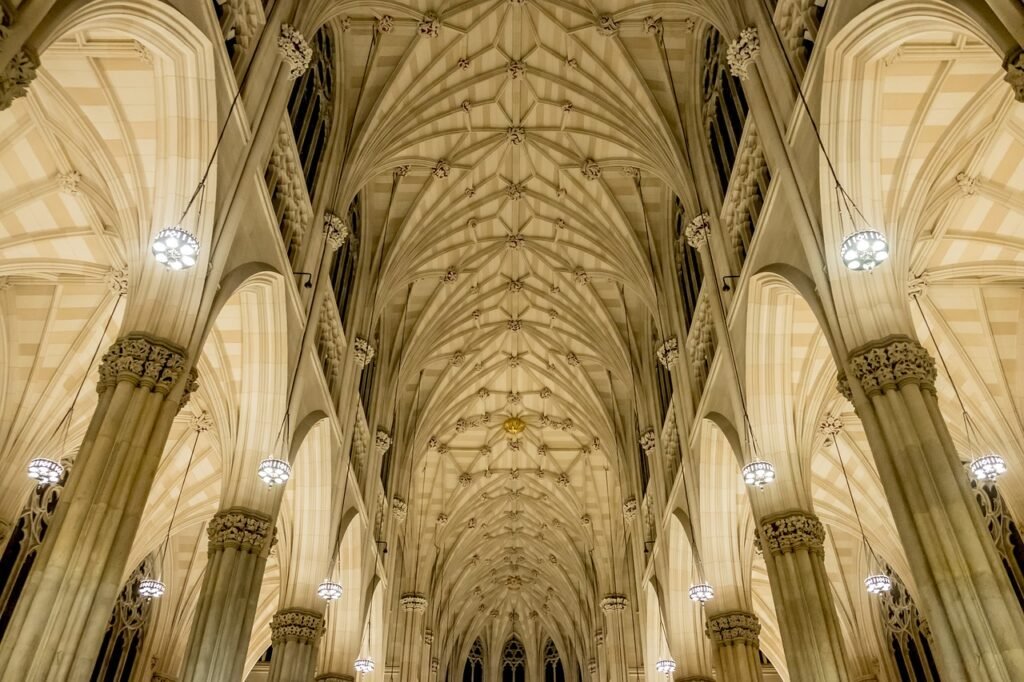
(474, 668)
(910, 639)
(125, 630)
(513, 661)
(553, 670)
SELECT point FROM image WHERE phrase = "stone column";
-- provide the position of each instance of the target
(295, 634)
(962, 588)
(793, 544)
(614, 605)
(414, 605)
(239, 541)
(735, 636)
(58, 625)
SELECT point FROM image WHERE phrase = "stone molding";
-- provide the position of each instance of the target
(734, 627)
(792, 531)
(413, 601)
(241, 529)
(696, 678)
(334, 677)
(145, 361)
(297, 625)
(891, 363)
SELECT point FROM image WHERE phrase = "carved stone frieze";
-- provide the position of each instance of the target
(734, 627)
(240, 529)
(297, 625)
(792, 531)
(890, 363)
(144, 361)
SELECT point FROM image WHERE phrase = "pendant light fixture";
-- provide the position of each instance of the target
(874, 583)
(984, 468)
(701, 593)
(274, 471)
(758, 473)
(329, 590)
(863, 248)
(152, 587)
(44, 470)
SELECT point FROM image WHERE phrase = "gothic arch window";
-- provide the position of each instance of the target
(343, 268)
(553, 670)
(311, 105)
(724, 108)
(26, 537)
(513, 661)
(123, 639)
(474, 669)
(910, 639)
(1004, 532)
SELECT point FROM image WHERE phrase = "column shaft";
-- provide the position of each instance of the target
(793, 544)
(964, 592)
(414, 605)
(58, 625)
(239, 543)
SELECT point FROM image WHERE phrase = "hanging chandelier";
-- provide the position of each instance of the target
(274, 471)
(364, 664)
(988, 468)
(878, 583)
(329, 591)
(176, 248)
(151, 588)
(45, 471)
(702, 592)
(758, 473)
(864, 250)
(665, 666)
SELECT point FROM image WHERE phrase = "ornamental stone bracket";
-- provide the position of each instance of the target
(296, 625)
(241, 529)
(413, 602)
(614, 603)
(792, 531)
(734, 627)
(1014, 66)
(891, 363)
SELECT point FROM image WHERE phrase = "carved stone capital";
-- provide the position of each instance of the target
(614, 603)
(434, 665)
(734, 627)
(1014, 66)
(413, 601)
(843, 386)
(335, 231)
(697, 231)
(792, 531)
(399, 508)
(144, 361)
(296, 625)
(891, 363)
(295, 51)
(241, 529)
(742, 52)
(16, 76)
(428, 637)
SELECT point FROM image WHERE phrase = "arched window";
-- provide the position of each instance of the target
(1004, 532)
(310, 107)
(910, 639)
(125, 630)
(688, 265)
(513, 661)
(343, 268)
(553, 670)
(474, 670)
(725, 106)
(26, 537)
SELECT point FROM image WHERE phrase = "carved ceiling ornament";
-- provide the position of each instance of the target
(734, 627)
(590, 169)
(516, 68)
(430, 26)
(117, 280)
(295, 51)
(69, 183)
(742, 52)
(442, 169)
(463, 63)
(968, 184)
(385, 24)
(515, 135)
(607, 26)
(653, 26)
(830, 426)
(792, 531)
(890, 363)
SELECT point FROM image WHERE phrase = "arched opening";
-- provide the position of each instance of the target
(513, 661)
(473, 671)
(553, 669)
